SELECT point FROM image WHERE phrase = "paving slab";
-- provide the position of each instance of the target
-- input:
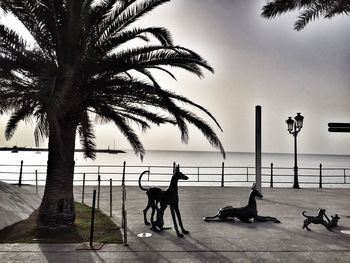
(213, 241)
(16, 203)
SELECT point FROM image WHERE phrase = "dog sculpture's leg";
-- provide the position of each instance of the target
(210, 218)
(177, 211)
(154, 208)
(266, 219)
(324, 223)
(306, 223)
(145, 213)
(174, 221)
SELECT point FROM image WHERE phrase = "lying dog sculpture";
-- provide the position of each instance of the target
(246, 213)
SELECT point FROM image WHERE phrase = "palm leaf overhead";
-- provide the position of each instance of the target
(309, 9)
(80, 66)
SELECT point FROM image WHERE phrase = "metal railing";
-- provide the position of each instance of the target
(222, 175)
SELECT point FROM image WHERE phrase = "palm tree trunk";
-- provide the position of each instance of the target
(57, 206)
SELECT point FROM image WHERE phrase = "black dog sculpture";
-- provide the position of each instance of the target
(243, 213)
(164, 197)
(317, 219)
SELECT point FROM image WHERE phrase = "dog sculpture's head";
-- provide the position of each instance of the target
(179, 175)
(256, 191)
(335, 218)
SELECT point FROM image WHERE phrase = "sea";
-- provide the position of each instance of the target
(186, 158)
(202, 166)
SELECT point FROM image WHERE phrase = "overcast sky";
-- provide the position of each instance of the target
(257, 62)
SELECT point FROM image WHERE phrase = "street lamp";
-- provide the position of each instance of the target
(294, 127)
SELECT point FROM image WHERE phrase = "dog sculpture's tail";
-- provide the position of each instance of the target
(303, 213)
(142, 188)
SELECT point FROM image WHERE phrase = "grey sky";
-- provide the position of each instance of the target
(256, 61)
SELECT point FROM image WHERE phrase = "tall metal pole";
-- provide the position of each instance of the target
(258, 147)
(296, 182)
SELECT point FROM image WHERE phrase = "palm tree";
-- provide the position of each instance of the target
(84, 65)
(310, 9)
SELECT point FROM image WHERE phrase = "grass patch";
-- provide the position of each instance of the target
(105, 231)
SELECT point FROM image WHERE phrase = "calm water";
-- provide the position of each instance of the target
(187, 158)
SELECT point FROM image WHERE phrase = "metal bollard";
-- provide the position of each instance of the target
(83, 190)
(320, 184)
(98, 191)
(92, 218)
(271, 179)
(222, 174)
(36, 181)
(110, 197)
(20, 175)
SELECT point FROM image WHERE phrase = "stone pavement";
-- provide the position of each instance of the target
(214, 241)
(16, 204)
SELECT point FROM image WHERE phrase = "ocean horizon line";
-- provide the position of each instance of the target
(240, 152)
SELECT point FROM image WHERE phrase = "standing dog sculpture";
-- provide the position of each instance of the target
(164, 198)
(246, 213)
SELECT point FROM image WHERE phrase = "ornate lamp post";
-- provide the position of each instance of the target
(294, 127)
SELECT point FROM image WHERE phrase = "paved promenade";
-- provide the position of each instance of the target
(214, 241)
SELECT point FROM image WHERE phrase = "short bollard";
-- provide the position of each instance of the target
(98, 191)
(83, 190)
(222, 174)
(20, 175)
(36, 181)
(92, 219)
(320, 184)
(110, 196)
(271, 178)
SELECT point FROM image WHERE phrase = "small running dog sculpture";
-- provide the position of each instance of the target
(317, 220)
(244, 214)
(334, 221)
(164, 198)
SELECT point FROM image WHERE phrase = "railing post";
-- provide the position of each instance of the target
(98, 190)
(320, 185)
(110, 197)
(271, 179)
(247, 174)
(20, 175)
(198, 174)
(83, 190)
(36, 181)
(222, 174)
(344, 176)
(149, 171)
(92, 218)
(174, 167)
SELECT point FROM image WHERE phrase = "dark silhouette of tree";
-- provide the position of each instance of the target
(309, 9)
(85, 64)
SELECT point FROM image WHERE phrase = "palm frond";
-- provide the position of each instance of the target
(22, 113)
(124, 127)
(87, 137)
(309, 9)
